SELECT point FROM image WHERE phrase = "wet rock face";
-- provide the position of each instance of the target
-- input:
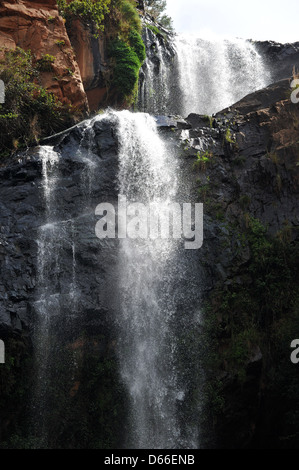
(279, 58)
(19, 206)
(36, 25)
(157, 70)
(243, 160)
(252, 158)
(247, 166)
(247, 162)
(80, 178)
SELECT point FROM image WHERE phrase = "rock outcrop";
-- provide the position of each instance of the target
(37, 26)
(280, 59)
(91, 56)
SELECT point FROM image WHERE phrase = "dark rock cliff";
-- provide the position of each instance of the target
(243, 165)
(246, 172)
(281, 59)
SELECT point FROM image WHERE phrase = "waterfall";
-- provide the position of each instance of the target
(215, 74)
(154, 284)
(155, 314)
(154, 90)
(48, 300)
(149, 271)
(206, 76)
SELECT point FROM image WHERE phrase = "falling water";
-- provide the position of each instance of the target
(205, 77)
(154, 90)
(156, 288)
(47, 299)
(149, 270)
(57, 294)
(215, 74)
(156, 283)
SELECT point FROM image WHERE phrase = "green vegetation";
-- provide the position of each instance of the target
(127, 53)
(203, 192)
(45, 63)
(210, 120)
(29, 111)
(154, 29)
(156, 8)
(126, 68)
(244, 201)
(266, 306)
(255, 315)
(129, 15)
(89, 11)
(60, 43)
(137, 45)
(203, 158)
(229, 136)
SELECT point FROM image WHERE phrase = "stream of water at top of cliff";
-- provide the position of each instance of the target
(205, 76)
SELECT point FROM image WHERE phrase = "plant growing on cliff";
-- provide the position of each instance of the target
(126, 69)
(229, 138)
(29, 111)
(203, 158)
(89, 11)
(251, 313)
(128, 56)
(44, 64)
(60, 43)
(130, 14)
(156, 8)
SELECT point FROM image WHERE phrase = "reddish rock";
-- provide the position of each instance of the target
(91, 57)
(37, 26)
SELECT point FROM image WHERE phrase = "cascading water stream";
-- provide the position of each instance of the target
(205, 77)
(48, 300)
(154, 92)
(148, 272)
(216, 74)
(146, 350)
(154, 312)
(156, 284)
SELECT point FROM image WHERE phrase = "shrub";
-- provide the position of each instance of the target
(229, 136)
(154, 29)
(60, 42)
(29, 111)
(130, 14)
(203, 158)
(137, 44)
(86, 10)
(44, 64)
(128, 57)
(127, 65)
